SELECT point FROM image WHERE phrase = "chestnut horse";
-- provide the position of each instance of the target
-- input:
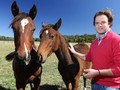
(26, 63)
(70, 66)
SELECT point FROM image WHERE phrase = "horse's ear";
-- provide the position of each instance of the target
(43, 24)
(58, 24)
(33, 12)
(14, 9)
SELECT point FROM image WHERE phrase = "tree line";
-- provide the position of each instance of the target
(80, 38)
(86, 38)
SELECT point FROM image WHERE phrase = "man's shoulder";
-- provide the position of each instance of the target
(114, 37)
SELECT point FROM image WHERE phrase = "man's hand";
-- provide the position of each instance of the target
(90, 73)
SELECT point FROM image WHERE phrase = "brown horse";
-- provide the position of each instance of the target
(69, 66)
(26, 63)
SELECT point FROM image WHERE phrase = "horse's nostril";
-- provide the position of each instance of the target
(18, 56)
(40, 58)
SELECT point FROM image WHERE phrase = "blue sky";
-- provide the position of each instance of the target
(77, 15)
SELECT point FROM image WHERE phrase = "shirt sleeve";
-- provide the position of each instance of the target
(116, 58)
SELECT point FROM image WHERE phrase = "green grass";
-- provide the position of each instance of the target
(51, 79)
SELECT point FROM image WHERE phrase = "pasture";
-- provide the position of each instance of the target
(51, 79)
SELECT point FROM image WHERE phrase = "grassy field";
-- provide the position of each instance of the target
(51, 79)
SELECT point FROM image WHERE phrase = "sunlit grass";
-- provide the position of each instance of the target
(51, 79)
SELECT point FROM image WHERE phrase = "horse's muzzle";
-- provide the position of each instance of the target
(23, 59)
(41, 59)
(19, 57)
(27, 59)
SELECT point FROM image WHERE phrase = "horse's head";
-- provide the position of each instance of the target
(49, 40)
(23, 28)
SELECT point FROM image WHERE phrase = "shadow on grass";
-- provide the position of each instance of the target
(3, 88)
(42, 87)
(51, 87)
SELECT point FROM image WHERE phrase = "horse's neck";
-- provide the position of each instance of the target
(34, 46)
(34, 56)
(63, 52)
(33, 51)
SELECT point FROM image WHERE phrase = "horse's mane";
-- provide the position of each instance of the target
(18, 17)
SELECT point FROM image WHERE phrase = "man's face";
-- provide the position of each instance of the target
(101, 24)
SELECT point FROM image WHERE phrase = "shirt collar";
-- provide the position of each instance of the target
(103, 35)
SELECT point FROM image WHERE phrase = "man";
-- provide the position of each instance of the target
(104, 54)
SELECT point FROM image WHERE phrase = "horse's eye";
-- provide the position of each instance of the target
(33, 30)
(51, 36)
(40, 36)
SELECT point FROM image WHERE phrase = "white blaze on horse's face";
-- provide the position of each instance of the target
(23, 23)
(46, 31)
(26, 52)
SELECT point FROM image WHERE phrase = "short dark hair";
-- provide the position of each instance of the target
(107, 13)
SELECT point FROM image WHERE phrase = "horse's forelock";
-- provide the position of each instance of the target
(46, 27)
(18, 17)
